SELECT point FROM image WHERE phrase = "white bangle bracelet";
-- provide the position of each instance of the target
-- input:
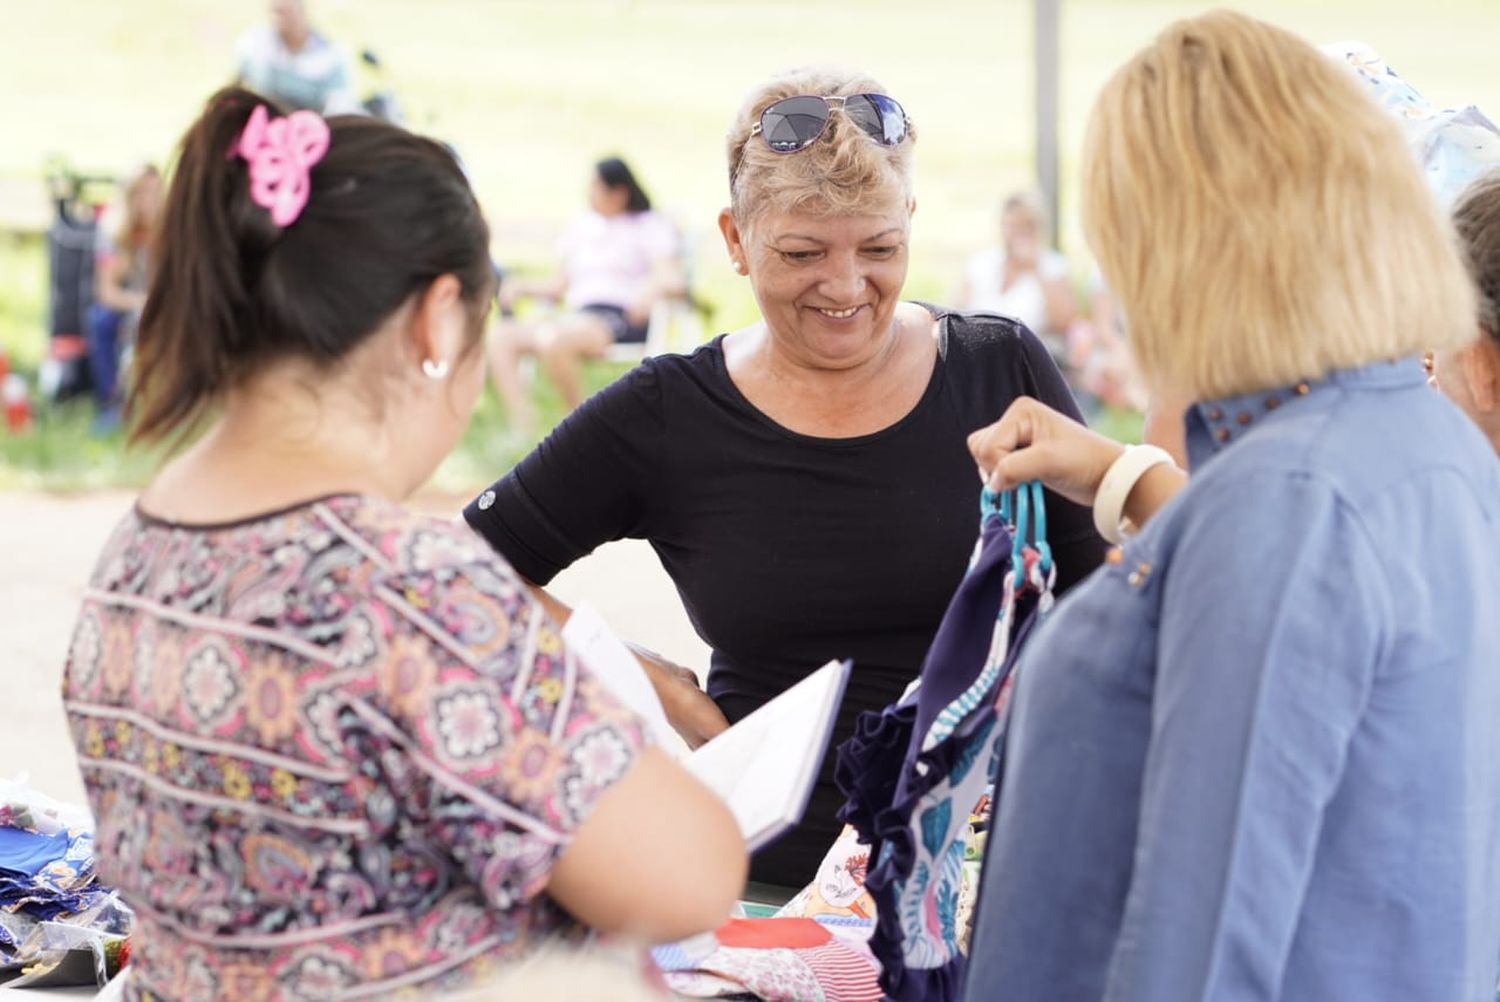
(1119, 480)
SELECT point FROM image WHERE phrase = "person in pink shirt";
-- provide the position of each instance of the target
(617, 261)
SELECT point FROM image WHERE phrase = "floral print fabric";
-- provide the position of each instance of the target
(776, 959)
(332, 752)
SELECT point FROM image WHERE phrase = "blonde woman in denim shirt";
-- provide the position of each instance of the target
(1257, 755)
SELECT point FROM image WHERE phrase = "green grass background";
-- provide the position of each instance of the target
(531, 92)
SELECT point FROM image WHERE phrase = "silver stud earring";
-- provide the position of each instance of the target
(739, 266)
(433, 369)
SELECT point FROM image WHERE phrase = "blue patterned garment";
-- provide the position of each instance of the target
(48, 876)
(913, 772)
(1455, 146)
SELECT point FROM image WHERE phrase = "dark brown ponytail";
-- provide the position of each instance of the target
(388, 213)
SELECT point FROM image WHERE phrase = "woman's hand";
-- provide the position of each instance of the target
(1034, 442)
(690, 711)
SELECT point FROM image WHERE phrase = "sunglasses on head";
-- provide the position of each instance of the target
(795, 123)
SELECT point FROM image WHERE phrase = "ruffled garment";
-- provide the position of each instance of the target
(912, 806)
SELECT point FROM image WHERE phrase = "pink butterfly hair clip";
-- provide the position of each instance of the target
(281, 154)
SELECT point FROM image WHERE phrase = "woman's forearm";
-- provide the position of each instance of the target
(689, 710)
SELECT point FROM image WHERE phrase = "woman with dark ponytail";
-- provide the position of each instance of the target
(333, 746)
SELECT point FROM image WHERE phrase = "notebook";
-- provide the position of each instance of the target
(764, 766)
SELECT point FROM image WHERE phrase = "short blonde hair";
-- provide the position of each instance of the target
(1259, 217)
(843, 173)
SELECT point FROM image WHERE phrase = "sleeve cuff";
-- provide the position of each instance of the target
(514, 525)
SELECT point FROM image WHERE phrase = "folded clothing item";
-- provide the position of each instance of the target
(24, 853)
(779, 960)
(48, 876)
(1455, 146)
(49, 900)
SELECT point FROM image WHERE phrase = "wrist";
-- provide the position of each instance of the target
(1119, 484)
(1156, 487)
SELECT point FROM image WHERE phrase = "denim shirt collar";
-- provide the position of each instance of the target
(1213, 425)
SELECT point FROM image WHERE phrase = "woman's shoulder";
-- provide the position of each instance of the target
(662, 376)
(653, 219)
(987, 260)
(1052, 264)
(436, 576)
(989, 359)
(408, 544)
(653, 233)
(584, 227)
(981, 334)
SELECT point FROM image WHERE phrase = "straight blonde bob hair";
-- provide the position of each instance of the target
(844, 173)
(1260, 218)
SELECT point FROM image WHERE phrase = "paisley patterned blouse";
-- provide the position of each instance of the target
(332, 752)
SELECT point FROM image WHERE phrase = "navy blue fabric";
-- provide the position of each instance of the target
(884, 774)
(962, 642)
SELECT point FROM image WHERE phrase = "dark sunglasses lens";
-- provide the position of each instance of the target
(880, 116)
(793, 123)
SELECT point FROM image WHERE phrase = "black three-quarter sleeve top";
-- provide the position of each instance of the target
(787, 550)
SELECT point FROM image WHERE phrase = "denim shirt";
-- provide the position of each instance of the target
(1257, 754)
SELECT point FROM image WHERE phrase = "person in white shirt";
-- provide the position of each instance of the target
(1023, 278)
(295, 66)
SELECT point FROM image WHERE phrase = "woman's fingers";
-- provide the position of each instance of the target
(1015, 430)
(693, 714)
(1023, 426)
(1040, 461)
(1031, 441)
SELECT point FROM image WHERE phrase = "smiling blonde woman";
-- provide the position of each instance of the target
(804, 480)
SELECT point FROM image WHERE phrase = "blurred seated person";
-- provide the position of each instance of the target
(1099, 353)
(293, 65)
(1023, 278)
(337, 748)
(121, 273)
(618, 260)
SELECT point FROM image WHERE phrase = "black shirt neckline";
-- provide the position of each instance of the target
(934, 382)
